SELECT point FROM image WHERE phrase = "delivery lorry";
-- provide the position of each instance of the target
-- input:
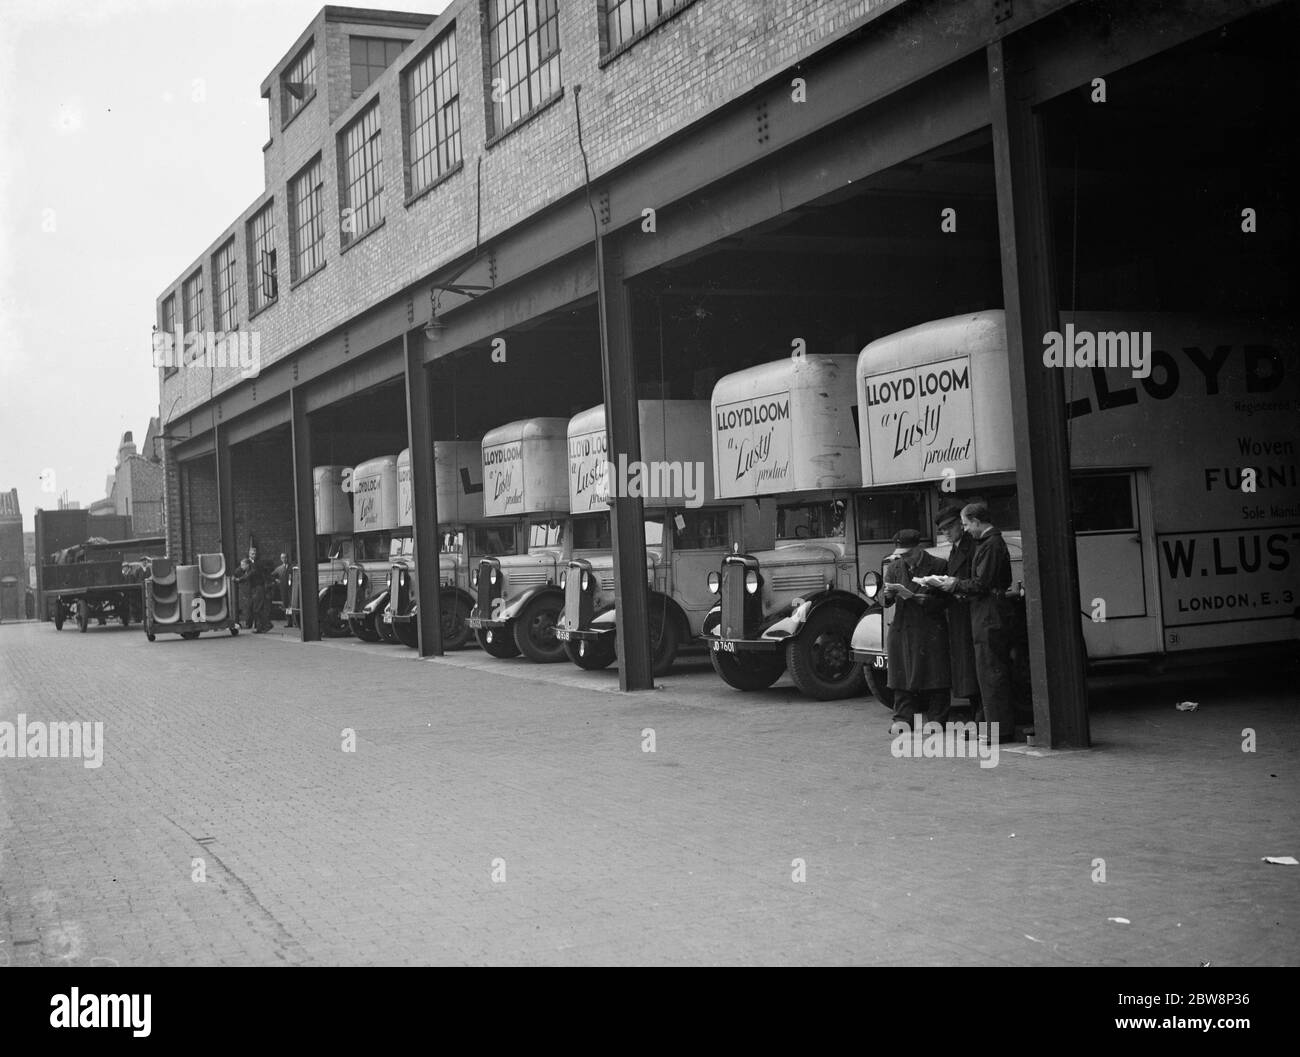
(332, 499)
(374, 527)
(517, 598)
(787, 430)
(464, 536)
(1184, 477)
(687, 530)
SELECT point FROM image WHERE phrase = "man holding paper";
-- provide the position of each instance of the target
(917, 642)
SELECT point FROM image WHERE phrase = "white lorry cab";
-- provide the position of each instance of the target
(787, 429)
(333, 507)
(464, 535)
(1184, 480)
(517, 598)
(375, 525)
(686, 530)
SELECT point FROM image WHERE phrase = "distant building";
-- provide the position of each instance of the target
(13, 562)
(135, 487)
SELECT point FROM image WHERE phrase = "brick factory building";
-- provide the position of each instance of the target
(764, 175)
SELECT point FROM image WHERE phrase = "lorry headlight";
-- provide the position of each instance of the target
(564, 580)
(715, 583)
(492, 576)
(751, 581)
(473, 578)
(586, 580)
(871, 584)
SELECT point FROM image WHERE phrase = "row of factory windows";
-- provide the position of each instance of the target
(523, 69)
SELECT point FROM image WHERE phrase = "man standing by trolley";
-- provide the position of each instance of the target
(990, 618)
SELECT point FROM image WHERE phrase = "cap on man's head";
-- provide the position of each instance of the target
(908, 538)
(949, 513)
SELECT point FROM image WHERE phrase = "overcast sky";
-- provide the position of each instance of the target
(131, 135)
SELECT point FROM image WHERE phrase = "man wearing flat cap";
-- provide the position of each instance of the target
(916, 645)
(961, 648)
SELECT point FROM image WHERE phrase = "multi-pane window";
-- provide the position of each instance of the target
(169, 328)
(624, 19)
(192, 308)
(361, 171)
(433, 114)
(224, 304)
(298, 82)
(371, 56)
(262, 278)
(523, 57)
(306, 224)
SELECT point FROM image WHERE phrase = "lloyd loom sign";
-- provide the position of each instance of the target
(503, 479)
(588, 486)
(753, 445)
(920, 422)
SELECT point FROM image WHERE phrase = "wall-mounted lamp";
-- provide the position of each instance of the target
(433, 330)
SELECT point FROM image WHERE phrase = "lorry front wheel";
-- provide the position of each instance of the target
(821, 657)
(535, 630)
(878, 684)
(748, 671)
(497, 642)
(363, 627)
(597, 655)
(455, 632)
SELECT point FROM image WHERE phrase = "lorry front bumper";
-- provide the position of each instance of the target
(486, 623)
(583, 634)
(721, 645)
(869, 658)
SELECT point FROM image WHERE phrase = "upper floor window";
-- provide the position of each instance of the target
(224, 303)
(361, 173)
(624, 19)
(169, 328)
(263, 282)
(298, 82)
(433, 114)
(370, 57)
(192, 307)
(523, 58)
(306, 223)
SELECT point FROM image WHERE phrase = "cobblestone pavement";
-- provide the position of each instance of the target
(497, 812)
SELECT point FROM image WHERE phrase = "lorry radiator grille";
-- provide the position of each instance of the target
(573, 599)
(800, 581)
(733, 601)
(521, 580)
(355, 601)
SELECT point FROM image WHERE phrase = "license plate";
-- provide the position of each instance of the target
(388, 616)
(562, 634)
(878, 662)
(722, 646)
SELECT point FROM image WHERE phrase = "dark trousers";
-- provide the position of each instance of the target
(260, 609)
(993, 667)
(934, 705)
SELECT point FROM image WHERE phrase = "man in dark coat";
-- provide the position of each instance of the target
(916, 645)
(990, 617)
(257, 579)
(961, 647)
(282, 581)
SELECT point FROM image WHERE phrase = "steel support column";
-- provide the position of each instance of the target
(424, 495)
(225, 499)
(623, 431)
(304, 504)
(1057, 658)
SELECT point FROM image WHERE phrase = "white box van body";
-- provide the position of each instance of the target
(687, 530)
(333, 508)
(1184, 477)
(517, 598)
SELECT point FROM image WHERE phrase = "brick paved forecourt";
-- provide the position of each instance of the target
(229, 751)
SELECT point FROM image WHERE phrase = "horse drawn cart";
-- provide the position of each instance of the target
(99, 580)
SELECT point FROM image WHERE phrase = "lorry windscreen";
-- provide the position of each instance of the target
(451, 542)
(493, 541)
(806, 521)
(545, 534)
(596, 533)
(373, 547)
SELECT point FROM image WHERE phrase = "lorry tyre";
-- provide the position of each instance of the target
(329, 615)
(748, 671)
(408, 632)
(455, 632)
(535, 629)
(599, 654)
(821, 657)
(878, 684)
(663, 639)
(83, 614)
(363, 627)
(384, 630)
(497, 642)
